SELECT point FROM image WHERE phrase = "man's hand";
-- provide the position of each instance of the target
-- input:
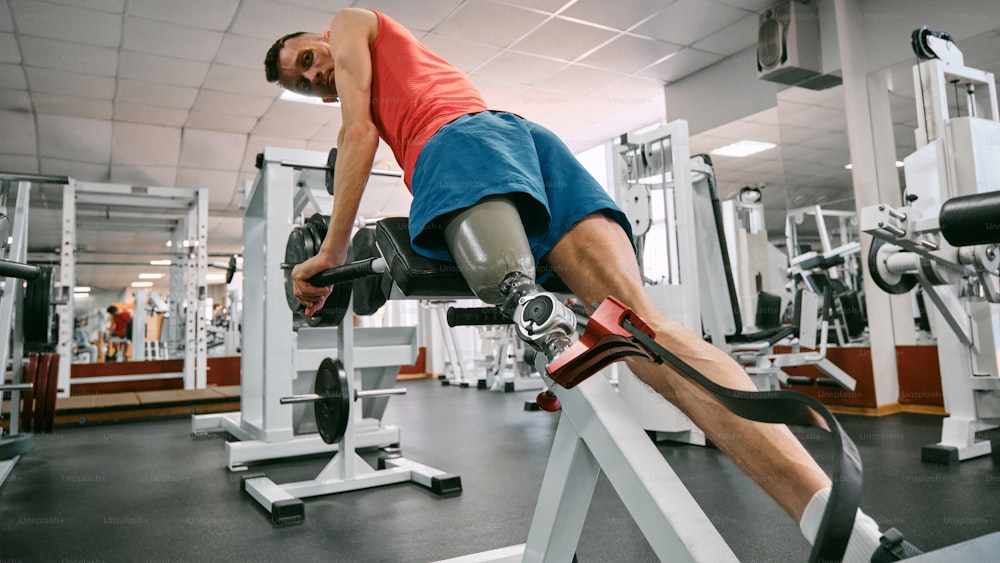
(310, 296)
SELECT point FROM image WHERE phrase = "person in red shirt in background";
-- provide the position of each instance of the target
(121, 320)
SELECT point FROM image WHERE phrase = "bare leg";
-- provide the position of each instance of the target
(595, 259)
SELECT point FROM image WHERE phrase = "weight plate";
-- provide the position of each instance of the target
(231, 270)
(333, 412)
(38, 309)
(295, 253)
(895, 284)
(368, 294)
(331, 161)
(303, 243)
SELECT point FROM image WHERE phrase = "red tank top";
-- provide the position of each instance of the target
(414, 92)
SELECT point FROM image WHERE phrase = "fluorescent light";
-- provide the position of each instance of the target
(81, 289)
(899, 164)
(743, 148)
(170, 243)
(290, 96)
(150, 276)
(142, 284)
(159, 262)
(849, 166)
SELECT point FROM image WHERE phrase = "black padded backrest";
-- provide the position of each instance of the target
(768, 310)
(419, 276)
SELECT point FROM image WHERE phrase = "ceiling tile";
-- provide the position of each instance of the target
(158, 38)
(153, 68)
(12, 77)
(271, 127)
(141, 145)
(9, 51)
(73, 138)
(563, 39)
(683, 63)
(256, 144)
(67, 23)
(619, 15)
(212, 150)
(222, 102)
(518, 68)
(220, 183)
(6, 21)
(687, 21)
(72, 106)
(211, 121)
(464, 55)
(17, 133)
(70, 83)
(239, 81)
(217, 14)
(550, 6)
(155, 115)
(485, 21)
(496, 91)
(165, 176)
(60, 55)
(629, 54)
(751, 5)
(242, 51)
(326, 135)
(533, 103)
(18, 164)
(731, 39)
(83, 171)
(18, 101)
(271, 20)
(113, 6)
(416, 16)
(579, 80)
(155, 94)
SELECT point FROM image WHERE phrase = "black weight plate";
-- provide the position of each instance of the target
(336, 305)
(38, 309)
(368, 294)
(331, 161)
(904, 284)
(231, 269)
(295, 253)
(333, 412)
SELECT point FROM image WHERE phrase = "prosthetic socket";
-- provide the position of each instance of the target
(490, 246)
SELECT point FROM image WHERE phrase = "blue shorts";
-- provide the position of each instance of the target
(493, 153)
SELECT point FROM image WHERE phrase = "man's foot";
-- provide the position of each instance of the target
(894, 548)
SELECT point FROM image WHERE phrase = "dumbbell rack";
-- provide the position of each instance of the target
(265, 428)
(346, 471)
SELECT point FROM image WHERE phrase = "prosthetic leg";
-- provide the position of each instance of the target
(491, 249)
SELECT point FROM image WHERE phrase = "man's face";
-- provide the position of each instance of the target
(305, 67)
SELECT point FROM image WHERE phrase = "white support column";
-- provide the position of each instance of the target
(18, 252)
(865, 164)
(67, 279)
(140, 299)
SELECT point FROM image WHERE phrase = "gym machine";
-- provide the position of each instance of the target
(672, 201)
(945, 238)
(15, 191)
(280, 354)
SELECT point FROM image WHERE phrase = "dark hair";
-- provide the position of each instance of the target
(112, 309)
(271, 60)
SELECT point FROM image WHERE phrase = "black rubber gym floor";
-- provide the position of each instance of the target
(150, 492)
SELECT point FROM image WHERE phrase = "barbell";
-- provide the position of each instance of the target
(331, 401)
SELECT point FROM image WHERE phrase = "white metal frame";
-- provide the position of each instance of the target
(265, 428)
(191, 208)
(597, 431)
(951, 160)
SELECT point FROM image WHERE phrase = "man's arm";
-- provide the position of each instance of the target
(349, 35)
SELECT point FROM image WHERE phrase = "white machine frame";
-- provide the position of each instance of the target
(955, 156)
(265, 428)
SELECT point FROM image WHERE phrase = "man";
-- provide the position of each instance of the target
(121, 322)
(475, 164)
